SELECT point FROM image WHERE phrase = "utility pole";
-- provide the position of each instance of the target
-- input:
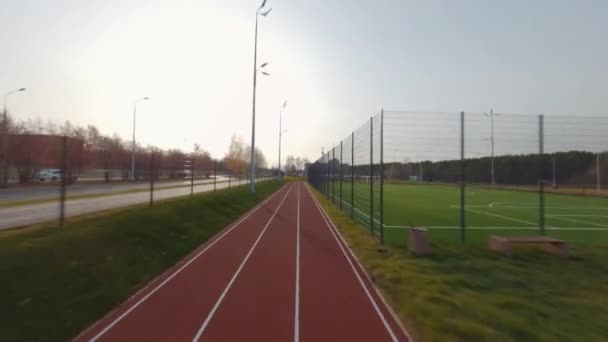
(5, 166)
(133, 142)
(281, 132)
(258, 12)
(491, 115)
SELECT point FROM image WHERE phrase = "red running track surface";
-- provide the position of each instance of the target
(282, 272)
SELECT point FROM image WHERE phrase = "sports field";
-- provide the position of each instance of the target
(503, 212)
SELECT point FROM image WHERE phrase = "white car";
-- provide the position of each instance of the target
(53, 175)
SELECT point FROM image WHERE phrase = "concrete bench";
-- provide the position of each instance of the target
(504, 244)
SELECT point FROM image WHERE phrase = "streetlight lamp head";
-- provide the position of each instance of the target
(146, 98)
(263, 4)
(265, 73)
(266, 13)
(285, 104)
(22, 89)
(263, 65)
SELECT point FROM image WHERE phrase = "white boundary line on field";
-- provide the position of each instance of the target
(502, 228)
(503, 217)
(577, 221)
(335, 232)
(176, 272)
(237, 272)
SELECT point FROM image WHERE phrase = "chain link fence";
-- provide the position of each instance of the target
(466, 176)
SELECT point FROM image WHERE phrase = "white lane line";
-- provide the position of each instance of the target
(362, 270)
(296, 333)
(369, 296)
(143, 299)
(238, 271)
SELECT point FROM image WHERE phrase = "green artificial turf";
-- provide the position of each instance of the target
(487, 212)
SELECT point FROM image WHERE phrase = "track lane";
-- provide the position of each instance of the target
(259, 305)
(171, 310)
(339, 301)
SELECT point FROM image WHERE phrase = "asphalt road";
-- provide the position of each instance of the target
(51, 192)
(24, 215)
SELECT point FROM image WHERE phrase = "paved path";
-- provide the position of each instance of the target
(23, 215)
(280, 273)
(45, 192)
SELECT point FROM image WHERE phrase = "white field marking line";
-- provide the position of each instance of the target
(176, 272)
(361, 269)
(500, 228)
(238, 271)
(577, 221)
(296, 332)
(369, 296)
(505, 217)
(582, 215)
(361, 213)
(527, 207)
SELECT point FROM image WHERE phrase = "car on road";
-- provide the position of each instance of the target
(54, 175)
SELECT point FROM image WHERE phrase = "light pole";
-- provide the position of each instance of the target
(5, 142)
(281, 132)
(133, 143)
(258, 12)
(491, 115)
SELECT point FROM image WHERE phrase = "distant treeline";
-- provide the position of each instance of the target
(573, 167)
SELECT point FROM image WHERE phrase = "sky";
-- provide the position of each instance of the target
(335, 62)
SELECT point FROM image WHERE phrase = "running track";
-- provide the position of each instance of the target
(280, 273)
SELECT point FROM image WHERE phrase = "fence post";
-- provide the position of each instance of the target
(191, 177)
(462, 181)
(64, 174)
(333, 175)
(599, 183)
(352, 175)
(341, 174)
(371, 175)
(229, 178)
(541, 184)
(327, 177)
(152, 174)
(382, 177)
(214, 175)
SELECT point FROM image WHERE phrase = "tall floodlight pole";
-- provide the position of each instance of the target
(133, 142)
(491, 115)
(258, 12)
(5, 131)
(281, 132)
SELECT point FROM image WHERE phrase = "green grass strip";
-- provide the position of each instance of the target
(57, 281)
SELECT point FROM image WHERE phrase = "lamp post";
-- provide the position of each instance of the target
(281, 132)
(258, 12)
(491, 115)
(5, 142)
(133, 143)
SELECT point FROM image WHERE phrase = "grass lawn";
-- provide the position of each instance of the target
(467, 293)
(577, 219)
(57, 281)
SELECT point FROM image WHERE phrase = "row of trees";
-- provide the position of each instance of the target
(295, 165)
(565, 168)
(34, 145)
